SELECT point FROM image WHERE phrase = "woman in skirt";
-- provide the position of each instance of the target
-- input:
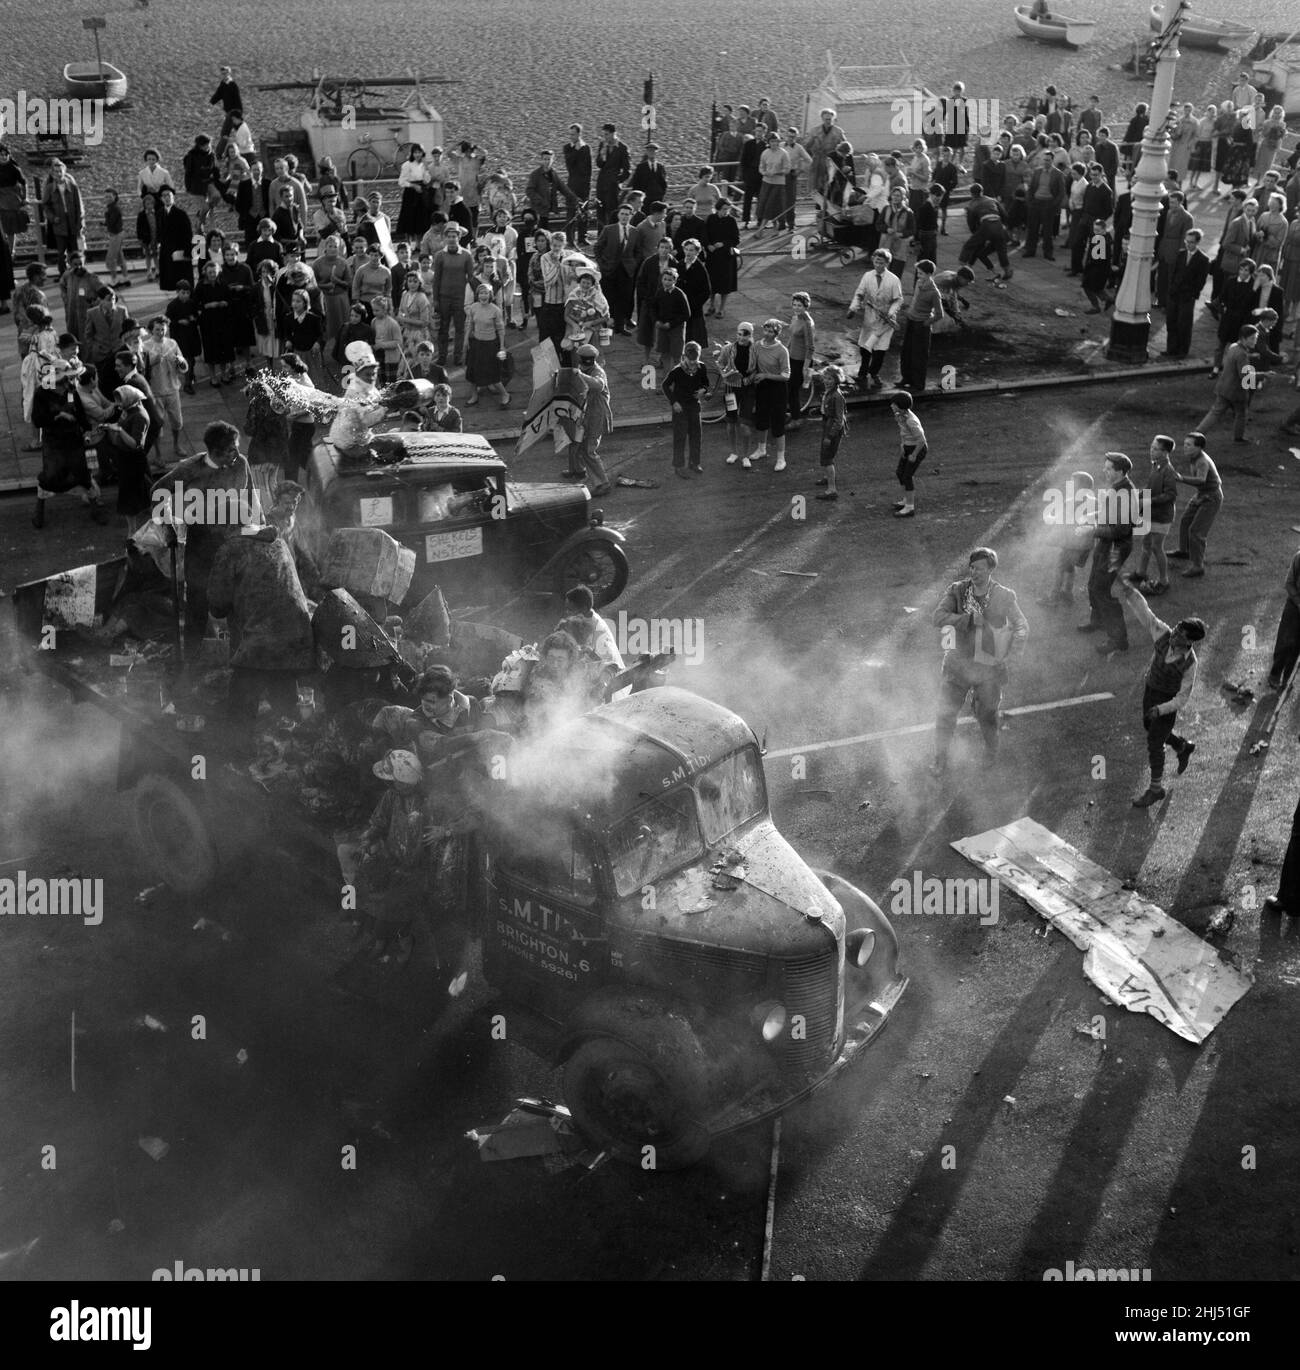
(487, 347)
(413, 182)
(238, 280)
(721, 255)
(693, 281)
(739, 370)
(334, 281)
(414, 312)
(126, 436)
(1201, 162)
(59, 414)
(216, 325)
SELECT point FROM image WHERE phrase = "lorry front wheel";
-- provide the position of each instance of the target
(628, 1105)
(599, 565)
(172, 835)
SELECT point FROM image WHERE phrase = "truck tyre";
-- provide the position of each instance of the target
(624, 1103)
(599, 565)
(172, 835)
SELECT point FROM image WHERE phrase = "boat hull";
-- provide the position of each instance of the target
(1212, 34)
(1068, 33)
(85, 81)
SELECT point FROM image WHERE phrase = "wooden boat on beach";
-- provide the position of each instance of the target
(95, 81)
(1197, 31)
(1054, 28)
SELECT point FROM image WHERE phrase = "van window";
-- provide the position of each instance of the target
(458, 499)
(731, 793)
(655, 840)
(563, 869)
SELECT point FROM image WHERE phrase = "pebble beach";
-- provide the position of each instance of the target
(524, 72)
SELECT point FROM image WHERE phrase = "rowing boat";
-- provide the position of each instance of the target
(1199, 32)
(1054, 28)
(95, 81)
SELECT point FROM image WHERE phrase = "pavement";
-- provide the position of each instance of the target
(770, 272)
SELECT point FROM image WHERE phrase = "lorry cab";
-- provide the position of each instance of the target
(638, 897)
(475, 532)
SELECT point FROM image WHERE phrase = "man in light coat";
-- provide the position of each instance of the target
(878, 298)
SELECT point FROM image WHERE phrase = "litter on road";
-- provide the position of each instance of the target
(154, 1147)
(1178, 978)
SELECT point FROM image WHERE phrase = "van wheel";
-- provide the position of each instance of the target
(623, 1102)
(599, 565)
(172, 835)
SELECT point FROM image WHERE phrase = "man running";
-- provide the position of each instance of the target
(982, 629)
(1168, 686)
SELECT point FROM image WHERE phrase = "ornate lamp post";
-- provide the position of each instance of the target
(1130, 325)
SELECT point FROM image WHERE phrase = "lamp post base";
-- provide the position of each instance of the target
(1128, 342)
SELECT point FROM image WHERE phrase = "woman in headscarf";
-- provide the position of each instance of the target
(721, 256)
(126, 435)
(216, 325)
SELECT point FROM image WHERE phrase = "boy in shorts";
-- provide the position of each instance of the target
(914, 451)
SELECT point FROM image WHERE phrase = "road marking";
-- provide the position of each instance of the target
(929, 727)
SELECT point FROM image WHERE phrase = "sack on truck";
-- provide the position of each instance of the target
(368, 561)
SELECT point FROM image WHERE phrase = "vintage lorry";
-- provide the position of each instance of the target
(644, 923)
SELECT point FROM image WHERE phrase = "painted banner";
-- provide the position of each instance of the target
(1136, 954)
(556, 403)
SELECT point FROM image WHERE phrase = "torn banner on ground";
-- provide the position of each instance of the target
(1139, 957)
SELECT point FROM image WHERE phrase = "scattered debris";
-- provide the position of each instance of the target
(807, 575)
(636, 483)
(152, 1023)
(18, 1256)
(1260, 747)
(1221, 924)
(1096, 1031)
(146, 895)
(754, 571)
(241, 1056)
(728, 871)
(1009, 1100)
(907, 609)
(154, 1147)
(533, 1127)
(207, 924)
(1242, 694)
(865, 804)
(116, 1226)
(1063, 313)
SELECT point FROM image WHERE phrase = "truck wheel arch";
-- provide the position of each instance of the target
(650, 1035)
(860, 910)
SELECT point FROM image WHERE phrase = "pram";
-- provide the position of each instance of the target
(843, 229)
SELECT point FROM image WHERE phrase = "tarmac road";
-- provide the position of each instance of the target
(1122, 1153)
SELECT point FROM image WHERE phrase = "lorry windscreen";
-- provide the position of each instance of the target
(731, 793)
(655, 840)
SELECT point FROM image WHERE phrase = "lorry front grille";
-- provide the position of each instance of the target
(811, 990)
(710, 974)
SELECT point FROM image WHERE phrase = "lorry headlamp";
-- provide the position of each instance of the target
(769, 1018)
(858, 946)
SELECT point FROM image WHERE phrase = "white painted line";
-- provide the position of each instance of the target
(929, 727)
